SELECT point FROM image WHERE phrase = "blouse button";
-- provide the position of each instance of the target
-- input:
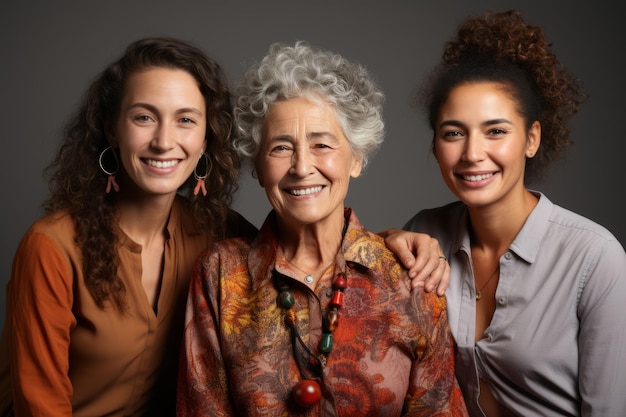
(501, 301)
(507, 255)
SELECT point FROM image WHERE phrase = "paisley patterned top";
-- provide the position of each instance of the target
(393, 353)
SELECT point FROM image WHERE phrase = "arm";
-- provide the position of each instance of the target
(422, 255)
(602, 338)
(202, 377)
(39, 307)
(433, 387)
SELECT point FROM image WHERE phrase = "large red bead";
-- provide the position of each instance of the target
(340, 283)
(307, 393)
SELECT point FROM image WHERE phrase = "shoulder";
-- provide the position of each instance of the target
(56, 227)
(576, 224)
(47, 250)
(447, 224)
(239, 226)
(234, 249)
(587, 238)
(437, 217)
(368, 250)
(182, 218)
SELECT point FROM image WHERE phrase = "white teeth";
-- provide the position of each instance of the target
(477, 177)
(306, 191)
(162, 164)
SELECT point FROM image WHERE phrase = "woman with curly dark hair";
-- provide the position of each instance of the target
(141, 184)
(536, 291)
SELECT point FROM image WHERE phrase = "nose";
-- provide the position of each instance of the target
(301, 162)
(474, 148)
(164, 137)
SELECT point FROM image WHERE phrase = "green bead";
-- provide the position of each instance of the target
(286, 299)
(326, 343)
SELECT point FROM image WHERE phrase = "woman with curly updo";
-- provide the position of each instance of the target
(536, 294)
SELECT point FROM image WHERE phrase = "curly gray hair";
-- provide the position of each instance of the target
(300, 71)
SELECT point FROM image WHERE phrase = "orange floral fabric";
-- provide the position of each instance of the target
(392, 354)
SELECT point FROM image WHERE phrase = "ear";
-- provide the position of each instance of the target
(357, 167)
(534, 139)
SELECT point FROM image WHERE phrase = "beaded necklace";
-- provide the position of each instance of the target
(307, 392)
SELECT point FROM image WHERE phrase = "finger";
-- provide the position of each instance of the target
(439, 279)
(425, 267)
(425, 261)
(422, 267)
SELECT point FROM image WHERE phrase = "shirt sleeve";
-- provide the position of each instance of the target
(433, 389)
(202, 381)
(602, 337)
(39, 312)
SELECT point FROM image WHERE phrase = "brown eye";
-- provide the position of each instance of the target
(281, 151)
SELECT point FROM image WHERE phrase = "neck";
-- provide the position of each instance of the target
(144, 219)
(494, 227)
(311, 247)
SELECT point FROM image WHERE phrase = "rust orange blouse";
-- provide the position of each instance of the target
(393, 352)
(67, 356)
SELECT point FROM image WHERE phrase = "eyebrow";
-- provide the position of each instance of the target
(309, 136)
(154, 109)
(322, 134)
(457, 123)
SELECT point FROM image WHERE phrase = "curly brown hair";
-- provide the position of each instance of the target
(501, 47)
(77, 184)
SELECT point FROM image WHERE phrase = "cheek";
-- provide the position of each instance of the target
(510, 154)
(271, 171)
(195, 142)
(447, 155)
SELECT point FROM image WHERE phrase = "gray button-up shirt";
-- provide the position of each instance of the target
(556, 344)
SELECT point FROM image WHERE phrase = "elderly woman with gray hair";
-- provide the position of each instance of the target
(314, 316)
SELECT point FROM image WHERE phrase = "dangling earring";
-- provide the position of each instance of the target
(104, 159)
(200, 185)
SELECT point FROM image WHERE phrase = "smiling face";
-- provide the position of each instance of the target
(160, 131)
(481, 144)
(305, 162)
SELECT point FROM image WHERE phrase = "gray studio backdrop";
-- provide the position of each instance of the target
(52, 50)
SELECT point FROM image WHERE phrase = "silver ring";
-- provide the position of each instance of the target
(444, 258)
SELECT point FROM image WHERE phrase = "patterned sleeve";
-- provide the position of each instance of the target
(433, 389)
(202, 381)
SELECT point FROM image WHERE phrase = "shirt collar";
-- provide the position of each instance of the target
(264, 248)
(527, 242)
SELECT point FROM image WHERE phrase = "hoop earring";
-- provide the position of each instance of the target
(200, 185)
(107, 159)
